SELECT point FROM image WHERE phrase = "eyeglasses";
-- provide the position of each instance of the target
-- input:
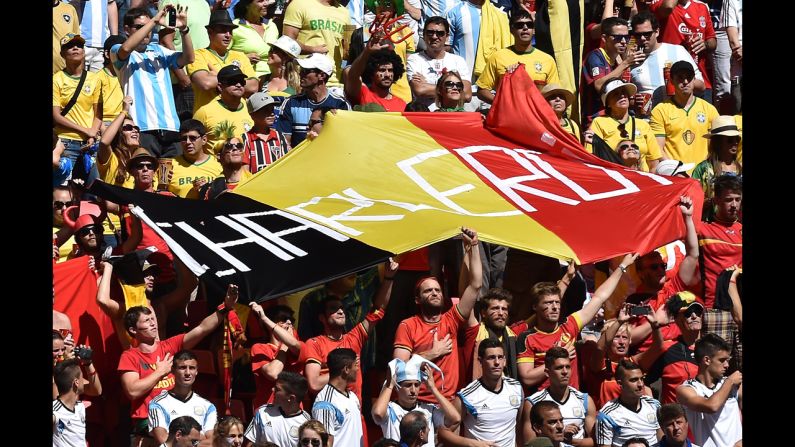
(234, 147)
(139, 26)
(436, 33)
(314, 442)
(88, 229)
(190, 138)
(149, 166)
(450, 84)
(130, 127)
(624, 147)
(619, 37)
(57, 204)
(645, 35)
(623, 130)
(523, 25)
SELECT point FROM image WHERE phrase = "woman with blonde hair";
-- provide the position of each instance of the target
(228, 432)
(312, 433)
(449, 93)
(284, 79)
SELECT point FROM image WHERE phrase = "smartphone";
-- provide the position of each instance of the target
(636, 311)
(172, 17)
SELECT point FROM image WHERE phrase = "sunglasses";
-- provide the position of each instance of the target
(74, 44)
(89, 229)
(695, 310)
(450, 84)
(436, 33)
(624, 147)
(646, 34)
(622, 129)
(313, 442)
(233, 82)
(149, 166)
(334, 309)
(306, 71)
(237, 147)
(190, 138)
(619, 37)
(523, 25)
(130, 127)
(57, 204)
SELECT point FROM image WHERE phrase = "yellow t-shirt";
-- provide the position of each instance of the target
(186, 172)
(206, 57)
(539, 65)
(82, 113)
(320, 24)
(247, 40)
(739, 120)
(214, 113)
(111, 94)
(572, 128)
(684, 129)
(606, 128)
(64, 21)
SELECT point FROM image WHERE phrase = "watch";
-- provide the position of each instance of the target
(623, 269)
(185, 31)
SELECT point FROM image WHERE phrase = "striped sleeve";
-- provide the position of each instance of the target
(605, 429)
(253, 430)
(210, 418)
(728, 15)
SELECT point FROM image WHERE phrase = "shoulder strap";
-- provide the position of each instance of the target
(585, 402)
(73, 100)
(633, 128)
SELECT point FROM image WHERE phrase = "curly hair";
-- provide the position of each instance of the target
(383, 57)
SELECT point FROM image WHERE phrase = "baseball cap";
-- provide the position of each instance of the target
(318, 61)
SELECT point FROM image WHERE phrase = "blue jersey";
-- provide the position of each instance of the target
(93, 21)
(464, 21)
(296, 110)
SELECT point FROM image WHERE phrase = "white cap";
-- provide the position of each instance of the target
(411, 370)
(673, 167)
(288, 45)
(615, 85)
(319, 61)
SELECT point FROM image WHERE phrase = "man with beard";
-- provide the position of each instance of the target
(673, 422)
(631, 414)
(712, 401)
(677, 361)
(181, 401)
(546, 422)
(547, 332)
(490, 407)
(406, 379)
(209, 61)
(295, 112)
(577, 408)
(433, 332)
(372, 75)
(539, 65)
(61, 200)
(226, 115)
(494, 307)
(316, 350)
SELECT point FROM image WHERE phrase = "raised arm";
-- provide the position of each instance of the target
(688, 397)
(563, 283)
(137, 37)
(111, 308)
(688, 269)
(471, 251)
(379, 411)
(211, 321)
(188, 56)
(604, 291)
(283, 335)
(384, 291)
(353, 85)
(112, 130)
(452, 417)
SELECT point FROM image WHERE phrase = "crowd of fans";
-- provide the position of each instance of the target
(463, 343)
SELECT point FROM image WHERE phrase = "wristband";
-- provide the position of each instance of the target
(185, 31)
(733, 281)
(222, 309)
(623, 269)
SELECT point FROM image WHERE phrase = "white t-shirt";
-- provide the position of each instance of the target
(489, 415)
(394, 414)
(573, 409)
(648, 76)
(70, 426)
(165, 407)
(271, 424)
(723, 428)
(340, 414)
(431, 69)
(615, 423)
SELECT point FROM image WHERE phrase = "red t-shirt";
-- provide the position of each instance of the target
(537, 343)
(691, 19)
(720, 247)
(395, 104)
(416, 335)
(261, 355)
(144, 364)
(316, 349)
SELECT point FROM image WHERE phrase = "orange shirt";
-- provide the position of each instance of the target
(536, 344)
(261, 355)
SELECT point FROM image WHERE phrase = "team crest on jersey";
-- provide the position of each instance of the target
(577, 411)
(688, 136)
(651, 417)
(564, 339)
(514, 400)
(198, 411)
(247, 126)
(538, 66)
(236, 63)
(595, 71)
(702, 22)
(637, 132)
(701, 117)
(87, 90)
(67, 18)
(293, 432)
